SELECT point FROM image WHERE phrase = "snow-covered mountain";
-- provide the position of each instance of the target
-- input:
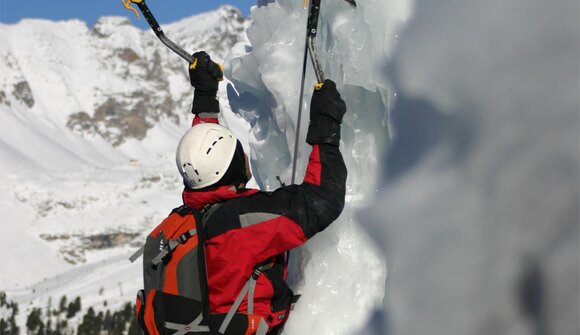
(111, 82)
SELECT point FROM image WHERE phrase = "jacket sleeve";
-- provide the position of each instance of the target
(323, 191)
(267, 224)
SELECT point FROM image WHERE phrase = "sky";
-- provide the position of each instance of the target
(165, 11)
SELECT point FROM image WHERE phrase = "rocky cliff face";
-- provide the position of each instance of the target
(112, 80)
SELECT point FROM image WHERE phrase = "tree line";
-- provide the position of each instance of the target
(64, 319)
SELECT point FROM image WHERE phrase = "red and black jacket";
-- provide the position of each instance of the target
(250, 227)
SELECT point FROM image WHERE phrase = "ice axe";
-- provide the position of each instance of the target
(157, 29)
(310, 48)
(311, 31)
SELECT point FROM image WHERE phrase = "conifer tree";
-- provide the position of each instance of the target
(90, 325)
(34, 321)
(48, 330)
(133, 326)
(41, 330)
(4, 328)
(13, 329)
(8, 325)
(73, 308)
(3, 299)
(61, 327)
(62, 304)
(107, 322)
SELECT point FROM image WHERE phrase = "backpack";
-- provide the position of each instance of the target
(175, 297)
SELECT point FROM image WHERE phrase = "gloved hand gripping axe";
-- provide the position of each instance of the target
(156, 28)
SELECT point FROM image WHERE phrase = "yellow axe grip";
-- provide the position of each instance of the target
(193, 65)
(127, 4)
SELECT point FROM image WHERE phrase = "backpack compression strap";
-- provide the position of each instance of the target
(182, 210)
(184, 329)
(137, 254)
(248, 289)
(171, 245)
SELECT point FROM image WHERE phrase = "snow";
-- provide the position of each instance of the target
(461, 140)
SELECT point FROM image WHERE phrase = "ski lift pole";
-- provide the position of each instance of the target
(156, 28)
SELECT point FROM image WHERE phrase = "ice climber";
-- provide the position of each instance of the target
(248, 232)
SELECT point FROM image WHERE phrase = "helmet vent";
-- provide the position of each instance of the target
(213, 144)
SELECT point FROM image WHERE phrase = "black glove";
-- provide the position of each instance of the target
(326, 111)
(204, 75)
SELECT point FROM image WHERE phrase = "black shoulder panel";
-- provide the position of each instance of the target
(223, 219)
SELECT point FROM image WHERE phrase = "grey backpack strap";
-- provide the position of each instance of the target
(248, 289)
(159, 257)
(234, 308)
(137, 254)
(194, 326)
(262, 327)
(172, 244)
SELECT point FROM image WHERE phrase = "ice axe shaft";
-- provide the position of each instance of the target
(299, 119)
(309, 48)
(311, 31)
(157, 29)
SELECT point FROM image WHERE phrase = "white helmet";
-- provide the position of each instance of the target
(204, 154)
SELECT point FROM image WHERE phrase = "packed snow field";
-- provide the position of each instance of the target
(461, 145)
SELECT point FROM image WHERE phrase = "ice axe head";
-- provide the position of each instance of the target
(127, 4)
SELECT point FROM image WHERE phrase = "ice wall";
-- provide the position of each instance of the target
(341, 273)
(479, 213)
